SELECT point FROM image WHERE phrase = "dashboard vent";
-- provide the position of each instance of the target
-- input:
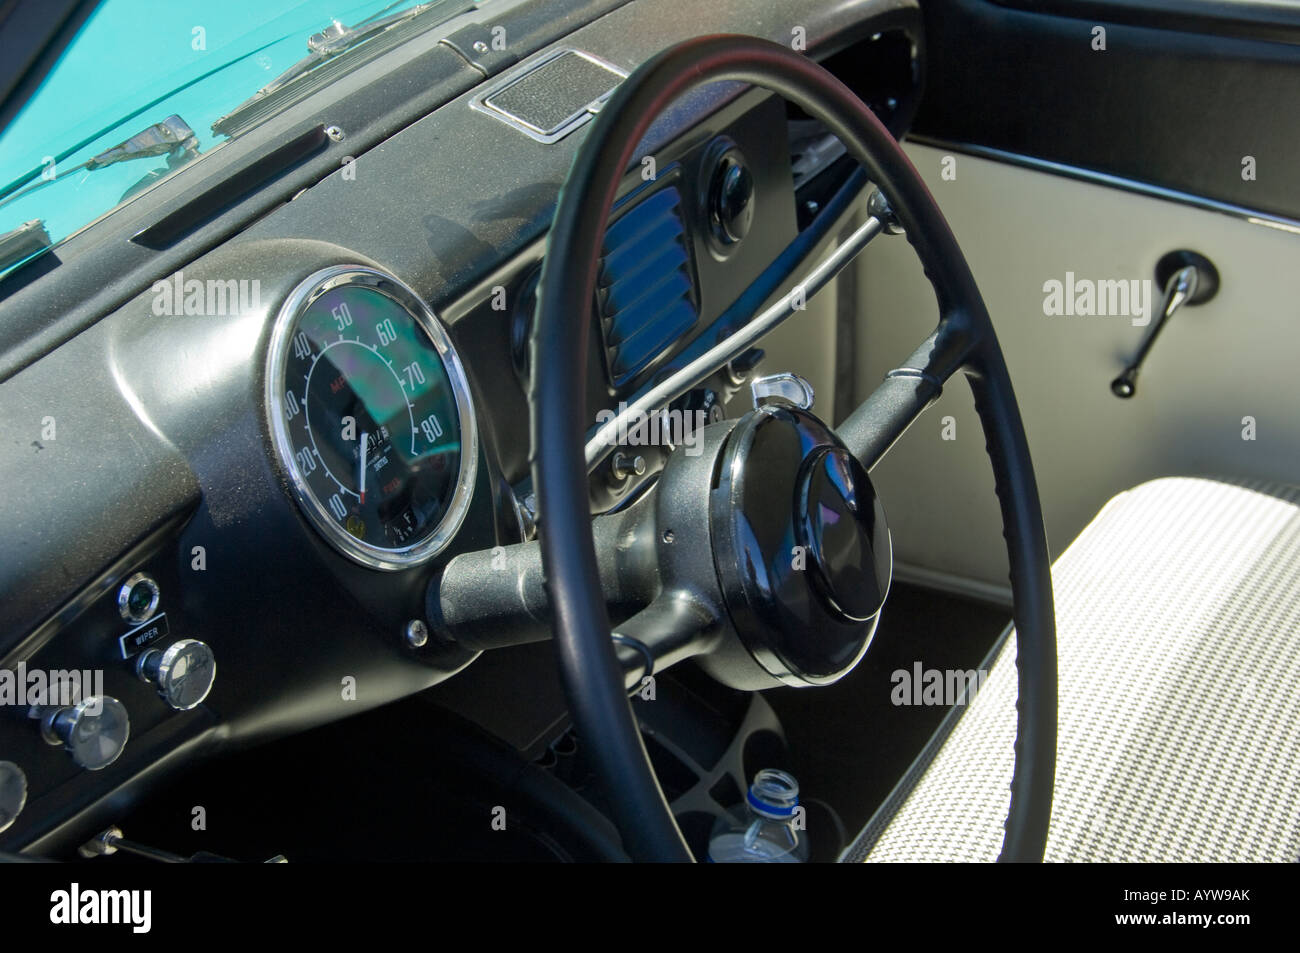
(645, 296)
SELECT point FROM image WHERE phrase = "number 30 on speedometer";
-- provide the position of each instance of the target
(370, 414)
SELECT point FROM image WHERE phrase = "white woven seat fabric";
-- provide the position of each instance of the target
(1178, 631)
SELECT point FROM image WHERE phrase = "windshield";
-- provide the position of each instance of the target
(135, 95)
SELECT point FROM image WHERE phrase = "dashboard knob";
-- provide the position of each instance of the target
(183, 673)
(731, 198)
(13, 792)
(94, 730)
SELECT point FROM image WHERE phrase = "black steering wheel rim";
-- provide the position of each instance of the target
(590, 671)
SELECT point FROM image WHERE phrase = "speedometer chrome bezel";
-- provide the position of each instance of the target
(367, 554)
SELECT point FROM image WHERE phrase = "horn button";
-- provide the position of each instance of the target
(801, 546)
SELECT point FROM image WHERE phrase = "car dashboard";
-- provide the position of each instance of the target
(165, 480)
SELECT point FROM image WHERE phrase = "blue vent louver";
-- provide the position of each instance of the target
(645, 296)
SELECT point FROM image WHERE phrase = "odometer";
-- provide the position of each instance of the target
(371, 416)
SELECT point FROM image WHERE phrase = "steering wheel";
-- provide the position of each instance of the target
(788, 448)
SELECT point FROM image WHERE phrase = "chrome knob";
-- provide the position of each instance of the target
(787, 388)
(94, 731)
(13, 792)
(183, 673)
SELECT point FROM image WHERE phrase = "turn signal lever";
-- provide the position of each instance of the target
(1187, 278)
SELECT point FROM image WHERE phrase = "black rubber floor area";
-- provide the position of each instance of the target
(849, 742)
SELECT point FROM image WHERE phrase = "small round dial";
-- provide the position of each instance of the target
(371, 416)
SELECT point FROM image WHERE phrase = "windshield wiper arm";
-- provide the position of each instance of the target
(332, 54)
(172, 135)
(172, 138)
(335, 39)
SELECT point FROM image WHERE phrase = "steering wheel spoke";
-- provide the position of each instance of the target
(907, 391)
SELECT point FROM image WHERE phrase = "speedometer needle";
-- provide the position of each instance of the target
(365, 445)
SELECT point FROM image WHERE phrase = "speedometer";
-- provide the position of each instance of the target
(370, 415)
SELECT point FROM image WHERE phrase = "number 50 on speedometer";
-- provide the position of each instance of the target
(371, 418)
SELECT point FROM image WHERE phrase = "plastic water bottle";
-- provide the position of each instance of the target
(769, 829)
